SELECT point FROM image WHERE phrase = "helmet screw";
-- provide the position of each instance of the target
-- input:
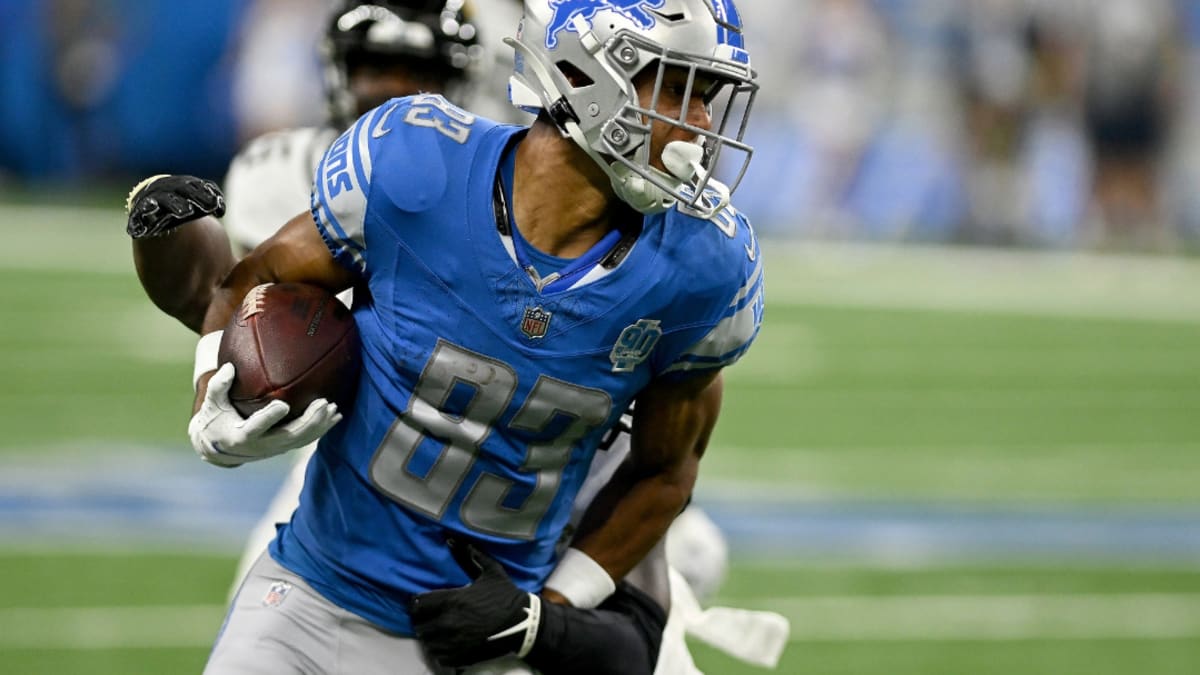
(618, 136)
(593, 109)
(627, 55)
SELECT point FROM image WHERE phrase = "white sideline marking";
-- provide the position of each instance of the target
(1136, 616)
(178, 626)
(799, 273)
(998, 473)
(944, 278)
(83, 239)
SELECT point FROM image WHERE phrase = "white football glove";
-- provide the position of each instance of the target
(223, 437)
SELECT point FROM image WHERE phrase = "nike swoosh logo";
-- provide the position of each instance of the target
(379, 131)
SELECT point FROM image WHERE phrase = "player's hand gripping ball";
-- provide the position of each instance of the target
(294, 343)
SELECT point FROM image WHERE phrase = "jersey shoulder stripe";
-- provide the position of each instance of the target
(341, 188)
(414, 141)
(730, 259)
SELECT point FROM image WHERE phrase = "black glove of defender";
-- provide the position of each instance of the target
(483, 620)
(159, 204)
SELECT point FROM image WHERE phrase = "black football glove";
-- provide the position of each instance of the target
(159, 204)
(483, 620)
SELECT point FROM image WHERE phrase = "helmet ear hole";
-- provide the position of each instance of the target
(574, 75)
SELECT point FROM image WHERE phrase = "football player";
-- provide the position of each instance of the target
(534, 322)
(372, 51)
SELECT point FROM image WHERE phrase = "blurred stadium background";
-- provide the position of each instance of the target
(968, 440)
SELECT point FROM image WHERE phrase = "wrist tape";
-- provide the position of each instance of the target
(581, 580)
(206, 355)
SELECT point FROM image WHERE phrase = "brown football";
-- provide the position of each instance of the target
(294, 343)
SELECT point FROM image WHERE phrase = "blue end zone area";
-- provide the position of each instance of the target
(113, 498)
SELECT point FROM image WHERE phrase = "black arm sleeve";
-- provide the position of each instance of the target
(620, 637)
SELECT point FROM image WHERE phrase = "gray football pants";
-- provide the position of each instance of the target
(278, 625)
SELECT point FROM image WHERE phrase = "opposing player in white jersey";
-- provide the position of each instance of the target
(279, 161)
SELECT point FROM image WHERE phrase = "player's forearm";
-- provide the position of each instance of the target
(228, 295)
(633, 512)
(621, 636)
(295, 253)
(671, 426)
(180, 271)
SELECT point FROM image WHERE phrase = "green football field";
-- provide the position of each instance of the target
(984, 388)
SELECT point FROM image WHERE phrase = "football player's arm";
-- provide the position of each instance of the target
(622, 636)
(672, 423)
(180, 250)
(491, 617)
(296, 253)
(179, 272)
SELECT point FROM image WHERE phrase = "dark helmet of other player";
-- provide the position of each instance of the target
(421, 45)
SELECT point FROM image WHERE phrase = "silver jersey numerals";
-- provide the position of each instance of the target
(492, 384)
(435, 112)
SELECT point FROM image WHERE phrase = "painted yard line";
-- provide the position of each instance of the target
(1147, 616)
(932, 535)
(87, 239)
(954, 470)
(982, 280)
(788, 502)
(181, 626)
(1034, 396)
(1005, 458)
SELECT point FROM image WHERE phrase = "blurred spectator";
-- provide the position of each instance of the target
(832, 155)
(1067, 112)
(35, 129)
(1184, 198)
(277, 78)
(1019, 77)
(1026, 122)
(1128, 103)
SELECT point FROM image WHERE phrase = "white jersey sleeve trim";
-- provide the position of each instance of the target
(731, 336)
(341, 187)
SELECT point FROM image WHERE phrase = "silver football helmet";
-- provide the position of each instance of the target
(577, 60)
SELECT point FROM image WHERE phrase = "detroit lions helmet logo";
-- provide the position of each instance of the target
(566, 11)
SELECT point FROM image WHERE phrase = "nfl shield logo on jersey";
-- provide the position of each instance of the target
(634, 344)
(535, 322)
(276, 593)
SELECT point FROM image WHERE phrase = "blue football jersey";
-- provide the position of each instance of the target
(482, 396)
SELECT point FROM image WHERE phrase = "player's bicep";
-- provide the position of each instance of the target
(298, 253)
(673, 420)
